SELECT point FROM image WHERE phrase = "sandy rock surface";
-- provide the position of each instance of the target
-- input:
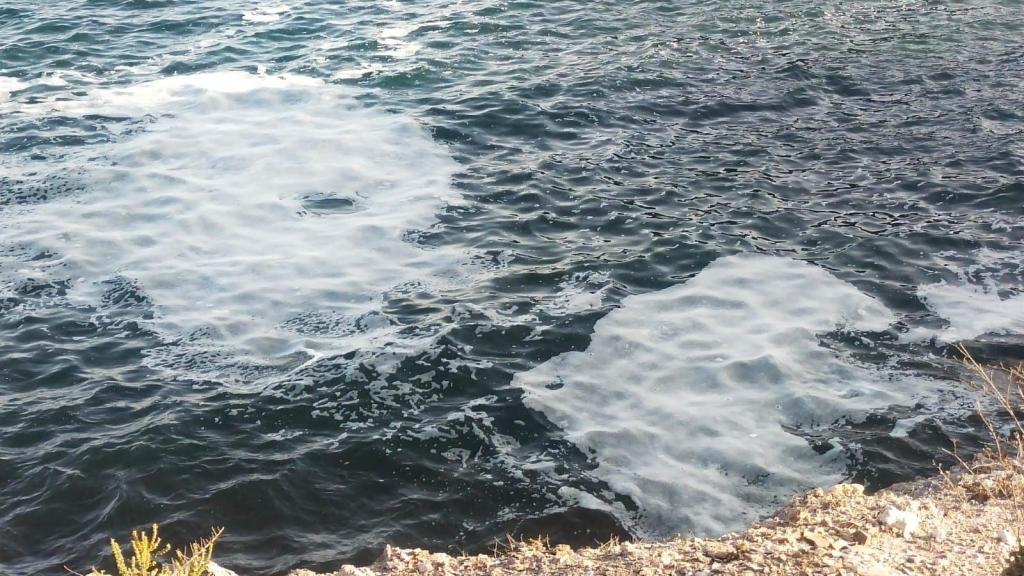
(960, 525)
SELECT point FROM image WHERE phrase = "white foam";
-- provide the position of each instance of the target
(48, 89)
(973, 310)
(392, 38)
(682, 395)
(356, 73)
(971, 304)
(581, 293)
(399, 49)
(270, 212)
(180, 94)
(398, 31)
(8, 85)
(265, 13)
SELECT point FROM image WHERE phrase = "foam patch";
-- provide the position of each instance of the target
(8, 85)
(247, 204)
(973, 311)
(683, 394)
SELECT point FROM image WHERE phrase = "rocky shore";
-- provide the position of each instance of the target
(965, 523)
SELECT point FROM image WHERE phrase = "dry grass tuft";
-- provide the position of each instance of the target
(998, 471)
(149, 553)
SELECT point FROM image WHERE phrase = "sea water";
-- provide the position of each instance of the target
(430, 273)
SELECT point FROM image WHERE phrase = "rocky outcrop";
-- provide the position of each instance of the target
(951, 525)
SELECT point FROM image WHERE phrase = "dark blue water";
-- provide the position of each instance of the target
(315, 272)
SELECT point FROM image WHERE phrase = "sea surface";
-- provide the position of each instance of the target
(431, 273)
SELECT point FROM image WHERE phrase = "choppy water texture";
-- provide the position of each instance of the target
(335, 275)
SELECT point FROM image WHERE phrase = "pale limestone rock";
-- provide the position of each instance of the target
(875, 570)
(668, 558)
(350, 570)
(861, 537)
(847, 490)
(719, 551)
(217, 570)
(818, 539)
(906, 521)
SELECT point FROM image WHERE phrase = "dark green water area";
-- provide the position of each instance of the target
(428, 273)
